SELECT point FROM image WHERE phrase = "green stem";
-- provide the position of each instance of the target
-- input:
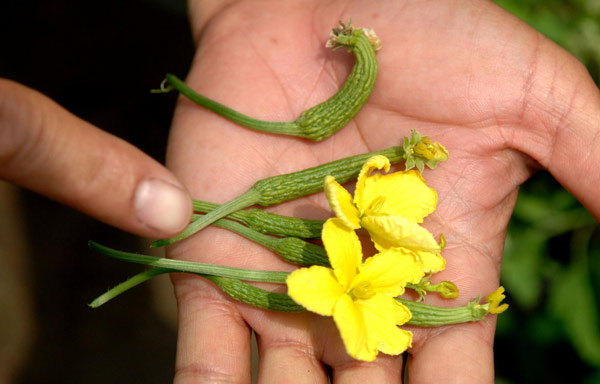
(291, 249)
(127, 285)
(193, 267)
(280, 188)
(269, 223)
(243, 201)
(423, 315)
(234, 288)
(289, 128)
(257, 237)
(320, 121)
(277, 189)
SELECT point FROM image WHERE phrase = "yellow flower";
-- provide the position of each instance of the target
(390, 207)
(359, 296)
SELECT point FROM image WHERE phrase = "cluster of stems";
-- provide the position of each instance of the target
(288, 236)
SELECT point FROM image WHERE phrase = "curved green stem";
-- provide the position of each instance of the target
(286, 128)
(322, 120)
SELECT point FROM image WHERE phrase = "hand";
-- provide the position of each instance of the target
(502, 99)
(48, 150)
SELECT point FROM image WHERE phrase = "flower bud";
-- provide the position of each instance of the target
(446, 289)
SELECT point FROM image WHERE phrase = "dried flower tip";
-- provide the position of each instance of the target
(372, 37)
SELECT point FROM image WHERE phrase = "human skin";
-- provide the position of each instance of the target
(45, 148)
(504, 101)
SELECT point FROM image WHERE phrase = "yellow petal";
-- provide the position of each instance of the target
(349, 321)
(382, 315)
(495, 298)
(397, 231)
(406, 194)
(343, 249)
(432, 261)
(315, 288)
(397, 341)
(387, 273)
(375, 162)
(341, 203)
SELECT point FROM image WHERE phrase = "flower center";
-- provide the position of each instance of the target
(361, 291)
(375, 206)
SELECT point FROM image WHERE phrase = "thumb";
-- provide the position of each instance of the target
(48, 150)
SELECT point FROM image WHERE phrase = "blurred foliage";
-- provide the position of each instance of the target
(551, 270)
(551, 265)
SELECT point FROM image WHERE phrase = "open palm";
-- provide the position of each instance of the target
(465, 73)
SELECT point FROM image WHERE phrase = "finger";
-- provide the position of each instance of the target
(455, 354)
(213, 344)
(46, 149)
(384, 369)
(288, 354)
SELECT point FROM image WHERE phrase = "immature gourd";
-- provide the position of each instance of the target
(280, 188)
(322, 120)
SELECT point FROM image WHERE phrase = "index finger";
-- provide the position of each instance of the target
(46, 149)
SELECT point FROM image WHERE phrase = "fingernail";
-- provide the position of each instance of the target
(162, 206)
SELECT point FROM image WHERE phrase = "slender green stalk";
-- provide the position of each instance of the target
(193, 267)
(245, 200)
(127, 285)
(322, 120)
(269, 223)
(291, 249)
(234, 288)
(423, 315)
(277, 189)
(289, 128)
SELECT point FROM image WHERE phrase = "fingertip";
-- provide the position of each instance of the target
(162, 207)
